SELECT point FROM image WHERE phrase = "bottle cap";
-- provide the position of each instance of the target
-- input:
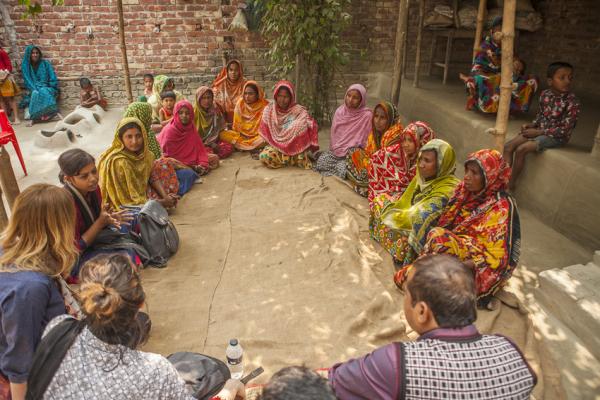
(233, 342)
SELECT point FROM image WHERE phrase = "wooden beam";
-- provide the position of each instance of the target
(126, 76)
(506, 68)
(401, 30)
(419, 39)
(481, 13)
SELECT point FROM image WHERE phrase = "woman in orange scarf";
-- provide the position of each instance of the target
(248, 112)
(228, 88)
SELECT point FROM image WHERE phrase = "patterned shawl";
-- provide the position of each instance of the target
(489, 218)
(291, 131)
(123, 175)
(208, 122)
(227, 93)
(160, 81)
(143, 112)
(350, 126)
(420, 206)
(182, 142)
(42, 85)
(391, 171)
(247, 117)
(391, 133)
(487, 59)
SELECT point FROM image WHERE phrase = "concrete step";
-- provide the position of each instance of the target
(572, 295)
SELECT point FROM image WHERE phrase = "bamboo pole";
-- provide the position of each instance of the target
(124, 51)
(399, 50)
(8, 180)
(508, 37)
(481, 12)
(3, 215)
(419, 39)
(297, 74)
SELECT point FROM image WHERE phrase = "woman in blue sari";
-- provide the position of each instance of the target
(41, 81)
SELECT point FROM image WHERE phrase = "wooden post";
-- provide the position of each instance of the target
(596, 148)
(124, 51)
(3, 215)
(399, 51)
(8, 181)
(508, 37)
(297, 74)
(419, 39)
(481, 12)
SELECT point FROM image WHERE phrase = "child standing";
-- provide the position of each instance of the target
(553, 124)
(8, 87)
(148, 83)
(168, 103)
(90, 96)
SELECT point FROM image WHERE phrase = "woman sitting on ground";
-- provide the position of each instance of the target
(103, 361)
(179, 140)
(228, 88)
(37, 251)
(288, 129)
(385, 131)
(481, 224)
(393, 167)
(209, 120)
(246, 120)
(162, 83)
(349, 129)
(401, 226)
(39, 78)
(127, 173)
(8, 87)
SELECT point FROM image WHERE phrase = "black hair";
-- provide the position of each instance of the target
(297, 383)
(127, 126)
(555, 66)
(71, 162)
(447, 286)
(149, 76)
(252, 85)
(287, 89)
(168, 95)
(83, 82)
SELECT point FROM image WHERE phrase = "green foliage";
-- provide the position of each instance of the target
(312, 30)
(34, 8)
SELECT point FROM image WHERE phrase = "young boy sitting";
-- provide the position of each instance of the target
(90, 96)
(553, 124)
(168, 104)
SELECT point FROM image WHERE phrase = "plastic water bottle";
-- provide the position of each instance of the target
(235, 356)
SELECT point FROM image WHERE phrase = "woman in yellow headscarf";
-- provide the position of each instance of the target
(126, 169)
(248, 112)
(401, 227)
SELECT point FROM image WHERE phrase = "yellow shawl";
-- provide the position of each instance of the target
(247, 117)
(124, 176)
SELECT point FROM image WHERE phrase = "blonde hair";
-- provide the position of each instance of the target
(40, 235)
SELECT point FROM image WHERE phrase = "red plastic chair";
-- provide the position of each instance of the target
(7, 134)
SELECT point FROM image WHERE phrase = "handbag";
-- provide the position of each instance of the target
(159, 236)
(204, 376)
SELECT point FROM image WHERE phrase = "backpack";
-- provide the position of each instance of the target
(158, 233)
(204, 376)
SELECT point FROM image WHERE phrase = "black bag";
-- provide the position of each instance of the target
(204, 376)
(159, 235)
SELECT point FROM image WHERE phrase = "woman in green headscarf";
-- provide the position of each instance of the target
(161, 84)
(401, 227)
(143, 112)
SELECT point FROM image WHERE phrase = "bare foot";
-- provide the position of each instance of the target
(17, 122)
(463, 77)
(29, 123)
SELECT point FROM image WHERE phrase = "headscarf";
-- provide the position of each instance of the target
(291, 131)
(351, 126)
(143, 112)
(421, 204)
(182, 142)
(123, 175)
(391, 171)
(42, 85)
(247, 117)
(227, 93)
(160, 81)
(209, 123)
(390, 134)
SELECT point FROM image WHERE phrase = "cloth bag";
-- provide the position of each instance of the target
(159, 236)
(204, 376)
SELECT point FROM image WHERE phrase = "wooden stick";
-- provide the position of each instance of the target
(3, 215)
(508, 36)
(124, 51)
(419, 39)
(8, 181)
(297, 74)
(481, 12)
(399, 51)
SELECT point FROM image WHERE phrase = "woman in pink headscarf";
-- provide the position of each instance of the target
(288, 129)
(179, 139)
(350, 128)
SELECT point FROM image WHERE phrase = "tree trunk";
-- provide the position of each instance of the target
(481, 12)
(506, 68)
(124, 51)
(9, 27)
(399, 51)
(419, 39)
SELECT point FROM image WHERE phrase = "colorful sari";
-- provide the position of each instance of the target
(246, 121)
(42, 84)
(143, 112)
(391, 170)
(359, 160)
(8, 87)
(349, 129)
(209, 124)
(290, 133)
(483, 86)
(401, 227)
(227, 92)
(483, 228)
(160, 81)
